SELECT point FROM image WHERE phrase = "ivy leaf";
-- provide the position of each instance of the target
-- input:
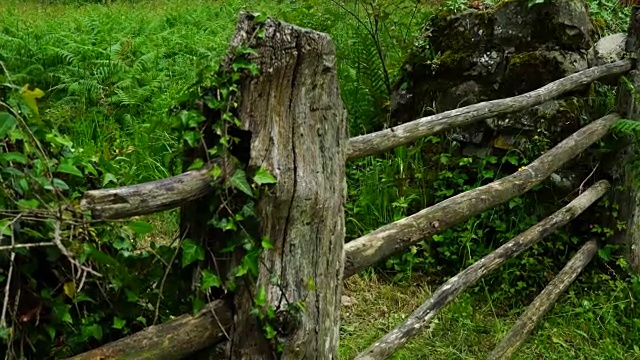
(262, 176)
(5, 229)
(270, 332)
(259, 17)
(266, 244)
(191, 252)
(69, 169)
(118, 323)
(261, 297)
(239, 181)
(7, 123)
(215, 172)
(5, 333)
(108, 177)
(94, 330)
(197, 164)
(69, 289)
(14, 157)
(140, 227)
(209, 279)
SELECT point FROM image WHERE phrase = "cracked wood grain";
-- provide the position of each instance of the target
(298, 124)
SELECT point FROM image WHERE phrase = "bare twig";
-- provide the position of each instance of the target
(587, 178)
(9, 224)
(58, 242)
(22, 246)
(3, 318)
(164, 278)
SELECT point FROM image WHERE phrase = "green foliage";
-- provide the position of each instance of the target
(84, 284)
(124, 285)
(109, 76)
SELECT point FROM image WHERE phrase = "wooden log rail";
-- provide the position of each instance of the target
(175, 339)
(154, 196)
(170, 193)
(420, 318)
(187, 334)
(543, 302)
(378, 142)
(398, 236)
(367, 252)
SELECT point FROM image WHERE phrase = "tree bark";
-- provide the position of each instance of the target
(543, 302)
(378, 142)
(399, 235)
(629, 107)
(299, 133)
(173, 340)
(151, 197)
(420, 318)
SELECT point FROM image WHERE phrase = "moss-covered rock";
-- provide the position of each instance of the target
(476, 56)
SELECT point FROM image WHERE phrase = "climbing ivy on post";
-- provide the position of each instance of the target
(275, 234)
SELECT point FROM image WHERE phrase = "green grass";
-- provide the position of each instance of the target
(111, 73)
(582, 325)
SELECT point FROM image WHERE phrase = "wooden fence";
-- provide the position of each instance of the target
(299, 133)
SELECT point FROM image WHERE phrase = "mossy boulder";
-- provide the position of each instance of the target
(484, 55)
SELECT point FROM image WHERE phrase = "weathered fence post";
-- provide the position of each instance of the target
(629, 108)
(298, 125)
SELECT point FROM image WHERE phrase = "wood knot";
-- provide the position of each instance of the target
(436, 224)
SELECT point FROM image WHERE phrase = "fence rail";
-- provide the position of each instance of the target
(544, 301)
(377, 142)
(299, 183)
(397, 236)
(154, 196)
(422, 317)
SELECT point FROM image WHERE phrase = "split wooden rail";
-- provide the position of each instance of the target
(299, 133)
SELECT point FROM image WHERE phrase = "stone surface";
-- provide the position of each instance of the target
(497, 53)
(608, 49)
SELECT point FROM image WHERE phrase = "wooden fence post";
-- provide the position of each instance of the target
(298, 125)
(629, 108)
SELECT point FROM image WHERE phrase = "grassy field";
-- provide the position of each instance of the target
(110, 74)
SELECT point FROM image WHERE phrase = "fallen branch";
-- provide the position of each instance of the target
(377, 142)
(176, 339)
(399, 235)
(420, 318)
(544, 302)
(152, 197)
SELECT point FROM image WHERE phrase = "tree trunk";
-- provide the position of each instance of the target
(543, 302)
(298, 125)
(399, 235)
(420, 318)
(378, 142)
